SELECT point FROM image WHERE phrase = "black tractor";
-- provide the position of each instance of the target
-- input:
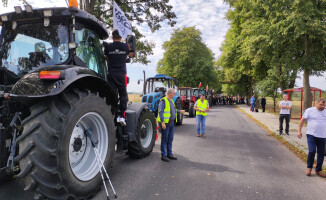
(55, 103)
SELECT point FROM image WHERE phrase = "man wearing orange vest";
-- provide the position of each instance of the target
(201, 107)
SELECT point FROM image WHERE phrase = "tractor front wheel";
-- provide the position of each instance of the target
(192, 111)
(145, 135)
(178, 104)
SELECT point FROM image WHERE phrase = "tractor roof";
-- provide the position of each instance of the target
(56, 13)
(161, 76)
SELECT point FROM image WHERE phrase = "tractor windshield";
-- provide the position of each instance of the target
(31, 46)
(156, 85)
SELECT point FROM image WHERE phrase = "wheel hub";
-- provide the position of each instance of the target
(78, 144)
(143, 132)
(146, 133)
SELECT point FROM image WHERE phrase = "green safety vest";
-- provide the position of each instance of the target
(167, 111)
(201, 106)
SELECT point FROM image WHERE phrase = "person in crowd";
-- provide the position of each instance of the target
(285, 107)
(167, 115)
(257, 104)
(263, 102)
(252, 103)
(201, 107)
(316, 134)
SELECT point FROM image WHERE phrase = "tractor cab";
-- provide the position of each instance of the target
(43, 38)
(188, 100)
(197, 92)
(155, 88)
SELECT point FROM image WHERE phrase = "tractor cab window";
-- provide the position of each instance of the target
(196, 93)
(183, 92)
(157, 85)
(31, 46)
(188, 93)
(89, 50)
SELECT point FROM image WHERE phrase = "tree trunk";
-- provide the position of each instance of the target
(307, 96)
(293, 76)
(274, 103)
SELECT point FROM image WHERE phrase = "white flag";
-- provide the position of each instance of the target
(120, 22)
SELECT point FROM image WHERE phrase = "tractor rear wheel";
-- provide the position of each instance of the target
(145, 135)
(56, 158)
(192, 111)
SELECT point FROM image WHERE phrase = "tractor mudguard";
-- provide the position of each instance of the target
(31, 87)
(133, 111)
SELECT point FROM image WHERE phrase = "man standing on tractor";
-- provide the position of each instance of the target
(201, 107)
(116, 54)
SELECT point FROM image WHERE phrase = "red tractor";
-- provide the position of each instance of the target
(188, 100)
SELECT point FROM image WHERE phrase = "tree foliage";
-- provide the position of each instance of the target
(188, 58)
(283, 35)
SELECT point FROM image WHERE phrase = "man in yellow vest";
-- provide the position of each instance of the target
(201, 107)
(167, 114)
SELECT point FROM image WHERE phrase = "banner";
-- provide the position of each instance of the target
(199, 85)
(207, 88)
(120, 22)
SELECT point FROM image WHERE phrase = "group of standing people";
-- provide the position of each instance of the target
(228, 100)
(256, 103)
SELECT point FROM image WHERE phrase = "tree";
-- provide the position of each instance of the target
(188, 58)
(270, 86)
(149, 12)
(283, 35)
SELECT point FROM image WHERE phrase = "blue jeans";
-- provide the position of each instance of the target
(314, 142)
(252, 107)
(166, 140)
(201, 120)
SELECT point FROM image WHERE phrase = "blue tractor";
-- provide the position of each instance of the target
(155, 88)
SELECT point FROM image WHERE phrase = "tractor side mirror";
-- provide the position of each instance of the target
(131, 41)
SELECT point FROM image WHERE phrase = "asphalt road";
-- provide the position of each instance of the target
(237, 160)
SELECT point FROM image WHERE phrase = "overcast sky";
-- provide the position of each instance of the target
(207, 15)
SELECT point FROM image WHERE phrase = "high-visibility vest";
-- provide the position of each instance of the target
(201, 106)
(167, 111)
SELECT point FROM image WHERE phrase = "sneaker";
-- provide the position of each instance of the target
(121, 121)
(203, 136)
(287, 133)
